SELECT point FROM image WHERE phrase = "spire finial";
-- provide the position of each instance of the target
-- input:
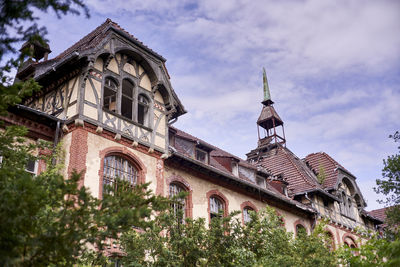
(267, 94)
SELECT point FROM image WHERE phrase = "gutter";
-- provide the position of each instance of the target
(55, 66)
(47, 116)
(320, 191)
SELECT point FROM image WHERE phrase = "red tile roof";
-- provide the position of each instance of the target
(379, 213)
(330, 166)
(281, 160)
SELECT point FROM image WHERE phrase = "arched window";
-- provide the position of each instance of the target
(343, 206)
(300, 230)
(127, 99)
(216, 207)
(246, 214)
(143, 110)
(118, 167)
(349, 208)
(110, 95)
(178, 207)
(330, 242)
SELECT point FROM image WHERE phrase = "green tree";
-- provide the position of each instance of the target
(389, 185)
(50, 220)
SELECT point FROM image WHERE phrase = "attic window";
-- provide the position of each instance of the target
(261, 182)
(201, 155)
(235, 168)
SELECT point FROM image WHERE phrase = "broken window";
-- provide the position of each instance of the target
(127, 99)
(110, 95)
(216, 207)
(143, 110)
(201, 155)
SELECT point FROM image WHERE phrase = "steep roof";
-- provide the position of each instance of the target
(215, 153)
(94, 38)
(281, 160)
(218, 168)
(379, 213)
(321, 160)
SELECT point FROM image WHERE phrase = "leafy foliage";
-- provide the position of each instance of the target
(225, 242)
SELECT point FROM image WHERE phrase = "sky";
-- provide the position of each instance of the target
(333, 69)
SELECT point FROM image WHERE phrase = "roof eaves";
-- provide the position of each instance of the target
(320, 191)
(231, 177)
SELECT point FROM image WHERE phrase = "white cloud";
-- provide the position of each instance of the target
(333, 69)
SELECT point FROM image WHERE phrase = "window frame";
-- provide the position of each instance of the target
(125, 153)
(136, 92)
(199, 150)
(125, 163)
(221, 197)
(184, 206)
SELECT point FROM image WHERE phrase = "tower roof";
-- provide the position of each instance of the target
(268, 116)
(267, 94)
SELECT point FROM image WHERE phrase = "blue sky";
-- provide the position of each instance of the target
(333, 69)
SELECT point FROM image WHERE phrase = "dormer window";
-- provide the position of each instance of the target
(201, 155)
(261, 182)
(235, 168)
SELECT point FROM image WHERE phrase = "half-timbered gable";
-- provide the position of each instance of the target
(118, 84)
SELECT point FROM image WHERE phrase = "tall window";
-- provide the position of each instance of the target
(179, 206)
(246, 214)
(127, 99)
(118, 167)
(216, 207)
(110, 95)
(143, 110)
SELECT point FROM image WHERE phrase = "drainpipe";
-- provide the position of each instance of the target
(53, 161)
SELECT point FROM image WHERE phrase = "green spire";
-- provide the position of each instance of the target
(267, 94)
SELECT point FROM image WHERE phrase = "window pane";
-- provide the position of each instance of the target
(201, 155)
(179, 206)
(143, 107)
(126, 107)
(246, 215)
(117, 167)
(127, 88)
(215, 207)
(110, 98)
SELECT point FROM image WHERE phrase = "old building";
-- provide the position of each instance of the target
(108, 98)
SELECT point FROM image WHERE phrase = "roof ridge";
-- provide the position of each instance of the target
(80, 42)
